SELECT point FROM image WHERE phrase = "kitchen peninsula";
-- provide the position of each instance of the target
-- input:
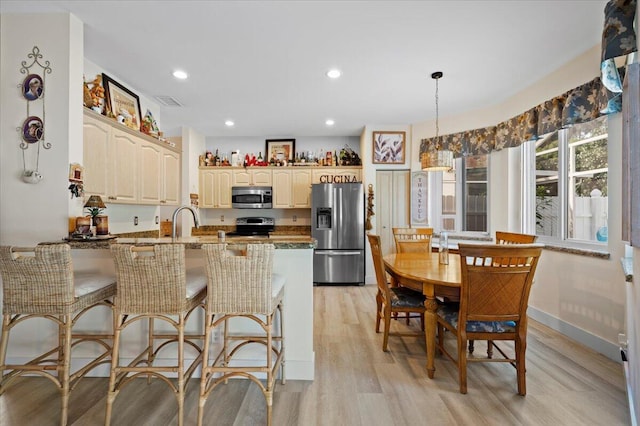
(293, 259)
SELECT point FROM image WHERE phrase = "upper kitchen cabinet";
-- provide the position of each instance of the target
(127, 167)
(123, 167)
(291, 188)
(171, 183)
(215, 187)
(259, 176)
(97, 138)
(150, 166)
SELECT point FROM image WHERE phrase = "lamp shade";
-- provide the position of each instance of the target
(95, 201)
(435, 161)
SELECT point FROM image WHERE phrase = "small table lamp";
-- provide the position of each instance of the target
(94, 206)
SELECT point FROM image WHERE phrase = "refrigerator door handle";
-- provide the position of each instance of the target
(338, 218)
(333, 253)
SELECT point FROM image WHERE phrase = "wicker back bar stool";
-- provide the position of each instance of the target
(153, 284)
(242, 284)
(39, 282)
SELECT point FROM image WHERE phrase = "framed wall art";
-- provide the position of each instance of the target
(122, 103)
(280, 149)
(388, 147)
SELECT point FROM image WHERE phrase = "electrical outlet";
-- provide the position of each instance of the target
(295, 218)
(135, 220)
(221, 218)
(157, 220)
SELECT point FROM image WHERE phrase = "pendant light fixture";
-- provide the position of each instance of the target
(440, 159)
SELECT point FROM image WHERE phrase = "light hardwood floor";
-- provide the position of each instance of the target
(358, 384)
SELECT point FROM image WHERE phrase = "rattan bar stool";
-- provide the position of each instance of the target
(242, 284)
(39, 282)
(153, 284)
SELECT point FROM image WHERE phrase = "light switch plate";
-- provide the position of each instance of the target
(135, 220)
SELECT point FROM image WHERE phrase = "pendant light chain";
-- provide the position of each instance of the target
(437, 124)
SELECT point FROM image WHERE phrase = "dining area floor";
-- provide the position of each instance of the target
(356, 383)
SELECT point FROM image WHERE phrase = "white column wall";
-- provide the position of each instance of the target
(30, 213)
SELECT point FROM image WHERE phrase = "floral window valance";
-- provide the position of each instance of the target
(584, 103)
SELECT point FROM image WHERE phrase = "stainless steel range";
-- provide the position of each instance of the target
(253, 227)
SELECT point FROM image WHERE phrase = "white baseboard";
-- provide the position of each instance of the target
(608, 349)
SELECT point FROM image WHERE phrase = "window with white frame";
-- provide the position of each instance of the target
(571, 168)
(463, 196)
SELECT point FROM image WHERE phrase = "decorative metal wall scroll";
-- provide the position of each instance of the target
(32, 133)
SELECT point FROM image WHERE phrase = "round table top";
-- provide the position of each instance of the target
(425, 267)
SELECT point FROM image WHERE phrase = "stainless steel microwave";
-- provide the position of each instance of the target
(251, 197)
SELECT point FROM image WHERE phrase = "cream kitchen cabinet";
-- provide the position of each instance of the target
(258, 176)
(127, 167)
(215, 187)
(171, 183)
(97, 140)
(150, 157)
(336, 174)
(291, 188)
(122, 165)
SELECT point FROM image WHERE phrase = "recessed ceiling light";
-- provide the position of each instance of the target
(181, 75)
(229, 123)
(330, 122)
(334, 73)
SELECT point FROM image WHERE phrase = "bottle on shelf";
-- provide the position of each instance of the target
(328, 161)
(259, 156)
(335, 158)
(321, 157)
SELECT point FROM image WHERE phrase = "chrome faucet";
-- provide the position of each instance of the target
(174, 227)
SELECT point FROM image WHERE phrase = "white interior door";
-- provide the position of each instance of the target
(392, 203)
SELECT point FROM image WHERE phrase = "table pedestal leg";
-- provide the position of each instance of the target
(430, 323)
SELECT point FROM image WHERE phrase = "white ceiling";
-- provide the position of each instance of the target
(263, 63)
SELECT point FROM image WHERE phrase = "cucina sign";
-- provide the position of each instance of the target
(337, 179)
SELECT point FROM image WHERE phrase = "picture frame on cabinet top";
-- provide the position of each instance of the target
(122, 103)
(280, 149)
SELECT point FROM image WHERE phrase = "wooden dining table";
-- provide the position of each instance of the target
(424, 272)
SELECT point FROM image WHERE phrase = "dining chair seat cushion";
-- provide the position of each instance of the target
(403, 297)
(88, 282)
(449, 312)
(196, 282)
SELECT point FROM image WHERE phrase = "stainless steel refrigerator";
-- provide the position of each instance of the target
(337, 211)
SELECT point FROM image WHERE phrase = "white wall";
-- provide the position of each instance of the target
(30, 213)
(256, 144)
(369, 177)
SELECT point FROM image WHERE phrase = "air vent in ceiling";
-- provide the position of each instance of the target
(168, 101)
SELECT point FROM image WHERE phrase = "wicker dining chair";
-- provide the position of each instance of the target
(409, 240)
(494, 294)
(506, 238)
(154, 284)
(241, 284)
(392, 300)
(40, 282)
